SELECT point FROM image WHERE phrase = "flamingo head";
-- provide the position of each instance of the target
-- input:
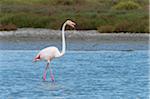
(71, 23)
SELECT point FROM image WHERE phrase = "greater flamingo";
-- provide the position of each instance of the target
(52, 52)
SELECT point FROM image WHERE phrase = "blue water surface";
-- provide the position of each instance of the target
(78, 75)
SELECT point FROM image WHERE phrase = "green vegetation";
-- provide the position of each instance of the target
(127, 5)
(103, 15)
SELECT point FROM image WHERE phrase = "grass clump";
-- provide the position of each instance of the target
(7, 27)
(127, 5)
(130, 25)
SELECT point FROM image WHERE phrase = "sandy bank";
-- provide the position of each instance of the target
(46, 34)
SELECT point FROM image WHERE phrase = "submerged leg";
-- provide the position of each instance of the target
(45, 71)
(51, 75)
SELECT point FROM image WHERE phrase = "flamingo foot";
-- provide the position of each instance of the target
(44, 77)
(52, 78)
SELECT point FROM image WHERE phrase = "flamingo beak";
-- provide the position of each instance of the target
(72, 24)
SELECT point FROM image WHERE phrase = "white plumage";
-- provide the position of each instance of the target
(52, 52)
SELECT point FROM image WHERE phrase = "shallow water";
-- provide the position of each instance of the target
(77, 45)
(78, 75)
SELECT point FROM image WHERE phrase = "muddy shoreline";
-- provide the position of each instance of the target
(31, 34)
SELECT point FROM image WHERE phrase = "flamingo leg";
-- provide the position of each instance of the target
(51, 75)
(45, 71)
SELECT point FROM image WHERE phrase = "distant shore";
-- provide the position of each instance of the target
(101, 15)
(46, 34)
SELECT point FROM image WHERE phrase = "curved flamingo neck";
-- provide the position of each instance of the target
(63, 40)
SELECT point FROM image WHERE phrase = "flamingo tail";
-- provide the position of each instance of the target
(37, 58)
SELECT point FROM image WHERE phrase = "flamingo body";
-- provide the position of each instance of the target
(48, 54)
(52, 52)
